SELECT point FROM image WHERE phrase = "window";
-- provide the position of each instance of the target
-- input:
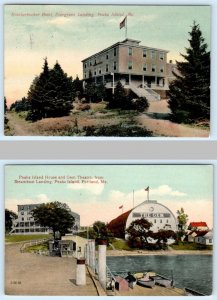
(85, 75)
(95, 62)
(100, 71)
(115, 65)
(161, 69)
(153, 68)
(90, 63)
(153, 54)
(144, 67)
(155, 221)
(107, 68)
(130, 65)
(115, 51)
(144, 53)
(161, 55)
(107, 56)
(210, 241)
(130, 51)
(22, 212)
(167, 221)
(22, 219)
(85, 65)
(160, 220)
(94, 72)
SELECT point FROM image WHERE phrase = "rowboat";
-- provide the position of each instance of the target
(146, 282)
(162, 281)
(190, 292)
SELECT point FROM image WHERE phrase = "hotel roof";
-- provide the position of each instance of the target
(129, 42)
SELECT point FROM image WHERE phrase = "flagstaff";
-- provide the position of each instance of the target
(147, 190)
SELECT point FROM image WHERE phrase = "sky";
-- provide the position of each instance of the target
(70, 33)
(97, 192)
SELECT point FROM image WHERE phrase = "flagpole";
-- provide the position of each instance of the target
(126, 29)
(133, 198)
(148, 195)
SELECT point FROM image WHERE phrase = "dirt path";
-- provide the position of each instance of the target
(18, 126)
(33, 274)
(155, 121)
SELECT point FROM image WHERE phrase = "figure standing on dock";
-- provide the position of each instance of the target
(131, 279)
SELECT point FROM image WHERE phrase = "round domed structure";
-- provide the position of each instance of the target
(158, 214)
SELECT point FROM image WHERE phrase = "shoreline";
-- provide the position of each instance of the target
(160, 252)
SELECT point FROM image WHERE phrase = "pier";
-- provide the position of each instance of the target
(34, 274)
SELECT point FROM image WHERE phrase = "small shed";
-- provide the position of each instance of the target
(121, 284)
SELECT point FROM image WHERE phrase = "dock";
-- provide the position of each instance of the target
(39, 275)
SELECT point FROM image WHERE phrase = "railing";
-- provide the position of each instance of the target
(32, 243)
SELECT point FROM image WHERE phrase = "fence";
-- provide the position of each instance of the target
(32, 243)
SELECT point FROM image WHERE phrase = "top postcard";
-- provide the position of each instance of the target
(107, 71)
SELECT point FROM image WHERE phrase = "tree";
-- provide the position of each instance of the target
(182, 222)
(119, 98)
(101, 91)
(9, 217)
(50, 93)
(54, 215)
(100, 229)
(58, 99)
(5, 111)
(77, 86)
(90, 90)
(162, 236)
(189, 93)
(138, 232)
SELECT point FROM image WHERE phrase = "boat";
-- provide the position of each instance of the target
(146, 282)
(162, 281)
(190, 292)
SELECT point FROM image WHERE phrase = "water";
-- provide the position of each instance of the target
(192, 271)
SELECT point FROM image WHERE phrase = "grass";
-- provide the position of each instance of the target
(23, 238)
(42, 247)
(119, 244)
(190, 246)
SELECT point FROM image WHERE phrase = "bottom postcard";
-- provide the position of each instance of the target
(117, 230)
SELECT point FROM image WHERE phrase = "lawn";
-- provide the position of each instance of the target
(190, 246)
(23, 238)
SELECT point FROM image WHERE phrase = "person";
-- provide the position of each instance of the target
(131, 279)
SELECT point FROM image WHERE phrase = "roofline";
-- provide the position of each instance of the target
(122, 43)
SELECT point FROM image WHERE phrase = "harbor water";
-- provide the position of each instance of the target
(190, 271)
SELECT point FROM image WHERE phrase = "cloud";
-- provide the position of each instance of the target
(166, 190)
(42, 198)
(93, 188)
(59, 21)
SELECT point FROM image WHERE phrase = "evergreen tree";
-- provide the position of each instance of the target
(189, 93)
(77, 87)
(58, 99)
(101, 91)
(5, 111)
(119, 99)
(90, 90)
(37, 94)
(50, 93)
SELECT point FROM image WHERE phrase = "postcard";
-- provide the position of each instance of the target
(117, 230)
(107, 70)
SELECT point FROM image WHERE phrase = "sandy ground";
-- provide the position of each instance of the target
(32, 274)
(160, 252)
(155, 121)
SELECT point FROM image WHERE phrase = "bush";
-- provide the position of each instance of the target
(117, 130)
(140, 104)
